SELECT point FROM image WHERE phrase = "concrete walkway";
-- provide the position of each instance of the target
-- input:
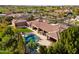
(43, 38)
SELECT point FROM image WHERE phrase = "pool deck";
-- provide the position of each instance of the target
(43, 38)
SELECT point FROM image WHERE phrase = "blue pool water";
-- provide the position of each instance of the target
(34, 38)
(30, 37)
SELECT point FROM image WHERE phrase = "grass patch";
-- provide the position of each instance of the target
(77, 22)
(5, 52)
(5, 38)
(23, 30)
(1, 34)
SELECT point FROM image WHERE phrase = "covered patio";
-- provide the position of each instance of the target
(53, 36)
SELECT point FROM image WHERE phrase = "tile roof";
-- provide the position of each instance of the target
(44, 26)
(17, 21)
(51, 29)
(53, 35)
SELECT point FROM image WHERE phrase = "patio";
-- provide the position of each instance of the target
(43, 38)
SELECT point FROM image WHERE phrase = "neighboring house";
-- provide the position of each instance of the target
(16, 15)
(51, 31)
(77, 18)
(74, 19)
(20, 23)
(2, 14)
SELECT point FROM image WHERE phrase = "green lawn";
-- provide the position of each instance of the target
(76, 22)
(5, 52)
(23, 30)
(0, 34)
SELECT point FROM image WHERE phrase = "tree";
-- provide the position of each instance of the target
(43, 49)
(68, 42)
(31, 17)
(20, 46)
(0, 39)
(2, 18)
(9, 19)
(31, 46)
(8, 31)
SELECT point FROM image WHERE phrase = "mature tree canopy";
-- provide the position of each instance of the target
(68, 42)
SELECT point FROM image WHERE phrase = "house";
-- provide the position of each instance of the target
(58, 11)
(77, 18)
(16, 14)
(68, 11)
(74, 19)
(19, 23)
(42, 27)
(2, 14)
(48, 30)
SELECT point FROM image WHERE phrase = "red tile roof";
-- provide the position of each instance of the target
(44, 26)
(18, 21)
(21, 23)
(51, 29)
(53, 35)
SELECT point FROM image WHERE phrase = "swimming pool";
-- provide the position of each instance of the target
(34, 38)
(31, 37)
